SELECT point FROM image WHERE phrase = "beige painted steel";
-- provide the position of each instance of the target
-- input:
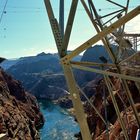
(123, 67)
(124, 83)
(98, 113)
(105, 42)
(3, 136)
(54, 25)
(129, 58)
(62, 49)
(79, 111)
(131, 101)
(69, 27)
(116, 108)
(84, 63)
(129, 68)
(103, 33)
(127, 77)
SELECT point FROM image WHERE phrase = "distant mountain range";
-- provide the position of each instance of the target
(42, 75)
(93, 54)
(8, 63)
(99, 54)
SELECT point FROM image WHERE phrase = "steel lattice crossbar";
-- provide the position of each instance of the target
(115, 30)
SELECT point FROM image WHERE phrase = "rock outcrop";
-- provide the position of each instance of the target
(98, 88)
(20, 117)
(96, 125)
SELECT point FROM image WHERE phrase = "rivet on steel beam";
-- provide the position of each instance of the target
(74, 95)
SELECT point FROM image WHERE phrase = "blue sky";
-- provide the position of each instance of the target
(25, 29)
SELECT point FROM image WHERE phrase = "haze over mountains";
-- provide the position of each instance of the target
(42, 75)
(35, 70)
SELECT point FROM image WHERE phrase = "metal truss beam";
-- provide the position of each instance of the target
(74, 92)
(127, 77)
(93, 64)
(116, 108)
(61, 17)
(105, 42)
(62, 45)
(78, 107)
(69, 27)
(114, 58)
(103, 33)
(128, 58)
(54, 25)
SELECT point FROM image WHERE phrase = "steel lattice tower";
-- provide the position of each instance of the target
(109, 32)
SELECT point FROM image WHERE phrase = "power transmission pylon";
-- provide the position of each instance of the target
(105, 31)
(134, 38)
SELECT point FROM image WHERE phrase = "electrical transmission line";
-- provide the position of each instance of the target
(3, 11)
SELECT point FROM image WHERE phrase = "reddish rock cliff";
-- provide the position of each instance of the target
(20, 116)
(96, 125)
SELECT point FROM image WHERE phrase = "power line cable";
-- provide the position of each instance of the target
(3, 11)
(19, 12)
(66, 9)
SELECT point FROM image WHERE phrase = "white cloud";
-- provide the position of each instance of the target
(36, 49)
(133, 26)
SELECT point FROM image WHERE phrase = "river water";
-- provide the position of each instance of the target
(59, 125)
